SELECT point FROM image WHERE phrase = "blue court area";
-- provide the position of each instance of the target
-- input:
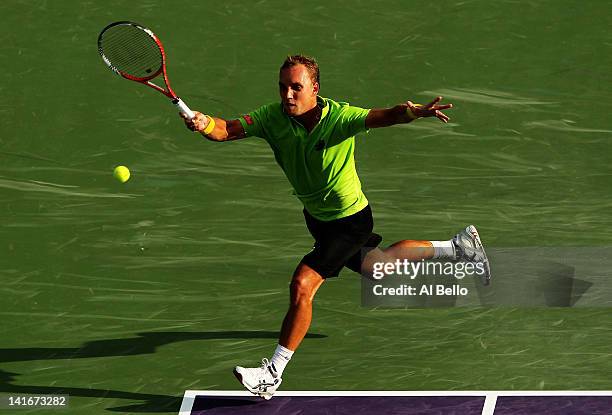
(398, 403)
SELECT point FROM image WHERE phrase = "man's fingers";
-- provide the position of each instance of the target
(441, 116)
(434, 102)
(190, 124)
(430, 110)
(193, 123)
(443, 107)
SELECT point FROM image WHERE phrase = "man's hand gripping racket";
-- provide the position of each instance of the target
(135, 53)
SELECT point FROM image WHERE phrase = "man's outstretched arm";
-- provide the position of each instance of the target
(215, 129)
(405, 113)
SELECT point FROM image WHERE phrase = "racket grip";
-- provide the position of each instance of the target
(183, 108)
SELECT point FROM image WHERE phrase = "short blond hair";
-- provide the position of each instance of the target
(309, 62)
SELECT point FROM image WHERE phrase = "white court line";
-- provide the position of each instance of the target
(187, 403)
(489, 405)
(488, 409)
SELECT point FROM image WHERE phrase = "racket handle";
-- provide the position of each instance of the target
(183, 108)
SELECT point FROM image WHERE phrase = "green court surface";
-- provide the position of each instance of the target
(124, 296)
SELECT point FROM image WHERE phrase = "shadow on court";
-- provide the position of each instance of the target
(145, 343)
(151, 403)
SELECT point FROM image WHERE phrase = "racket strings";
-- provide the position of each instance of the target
(131, 50)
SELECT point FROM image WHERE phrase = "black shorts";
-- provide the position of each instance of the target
(339, 243)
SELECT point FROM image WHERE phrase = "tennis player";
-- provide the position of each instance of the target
(313, 139)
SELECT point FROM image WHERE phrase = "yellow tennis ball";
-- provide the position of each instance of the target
(122, 174)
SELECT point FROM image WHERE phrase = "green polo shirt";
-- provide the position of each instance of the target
(320, 165)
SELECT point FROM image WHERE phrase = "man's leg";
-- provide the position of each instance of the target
(304, 285)
(411, 250)
(265, 380)
(466, 245)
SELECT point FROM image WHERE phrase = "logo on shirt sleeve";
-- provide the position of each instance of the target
(248, 119)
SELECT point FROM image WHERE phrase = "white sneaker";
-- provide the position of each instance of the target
(262, 381)
(469, 247)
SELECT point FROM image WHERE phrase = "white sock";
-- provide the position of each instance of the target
(281, 357)
(444, 249)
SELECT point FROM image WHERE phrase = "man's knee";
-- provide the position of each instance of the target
(304, 284)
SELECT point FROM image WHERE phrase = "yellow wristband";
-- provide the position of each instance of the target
(210, 126)
(411, 114)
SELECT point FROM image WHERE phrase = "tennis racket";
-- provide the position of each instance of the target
(135, 53)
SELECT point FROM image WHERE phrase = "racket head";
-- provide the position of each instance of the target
(131, 51)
